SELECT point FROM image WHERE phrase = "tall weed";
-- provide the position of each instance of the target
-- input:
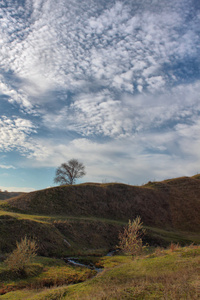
(19, 259)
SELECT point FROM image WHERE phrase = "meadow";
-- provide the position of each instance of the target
(171, 273)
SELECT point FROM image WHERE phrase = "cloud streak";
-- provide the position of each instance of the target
(6, 167)
(15, 134)
(102, 114)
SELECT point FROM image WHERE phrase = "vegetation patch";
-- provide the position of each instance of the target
(42, 273)
(165, 274)
(170, 276)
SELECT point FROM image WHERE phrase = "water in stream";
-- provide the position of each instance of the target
(76, 262)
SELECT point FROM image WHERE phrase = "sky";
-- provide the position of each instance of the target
(114, 84)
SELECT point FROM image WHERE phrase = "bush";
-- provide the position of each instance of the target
(130, 241)
(18, 260)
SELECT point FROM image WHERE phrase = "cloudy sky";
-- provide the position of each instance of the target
(115, 84)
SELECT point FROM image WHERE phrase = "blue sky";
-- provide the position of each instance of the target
(115, 84)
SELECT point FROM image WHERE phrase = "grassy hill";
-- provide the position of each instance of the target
(171, 203)
(89, 216)
(85, 221)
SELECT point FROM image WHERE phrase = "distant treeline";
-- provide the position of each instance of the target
(7, 195)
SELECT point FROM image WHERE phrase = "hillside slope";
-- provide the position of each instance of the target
(170, 204)
(12, 229)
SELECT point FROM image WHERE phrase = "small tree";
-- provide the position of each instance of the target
(130, 240)
(18, 260)
(68, 172)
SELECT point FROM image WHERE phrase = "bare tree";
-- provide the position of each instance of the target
(68, 172)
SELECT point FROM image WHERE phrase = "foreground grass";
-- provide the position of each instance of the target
(42, 273)
(165, 274)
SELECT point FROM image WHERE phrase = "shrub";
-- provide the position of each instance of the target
(18, 260)
(173, 247)
(130, 241)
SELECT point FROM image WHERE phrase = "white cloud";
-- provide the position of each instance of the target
(102, 114)
(15, 134)
(7, 167)
(16, 189)
(64, 45)
(18, 96)
(156, 83)
(134, 160)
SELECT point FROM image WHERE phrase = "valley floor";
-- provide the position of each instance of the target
(163, 274)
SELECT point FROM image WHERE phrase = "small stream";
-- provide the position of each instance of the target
(75, 261)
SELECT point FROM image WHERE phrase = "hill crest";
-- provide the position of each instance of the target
(172, 203)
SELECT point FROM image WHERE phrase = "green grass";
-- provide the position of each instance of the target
(42, 273)
(51, 218)
(168, 236)
(165, 274)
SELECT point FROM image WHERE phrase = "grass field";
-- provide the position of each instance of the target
(163, 274)
(42, 273)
